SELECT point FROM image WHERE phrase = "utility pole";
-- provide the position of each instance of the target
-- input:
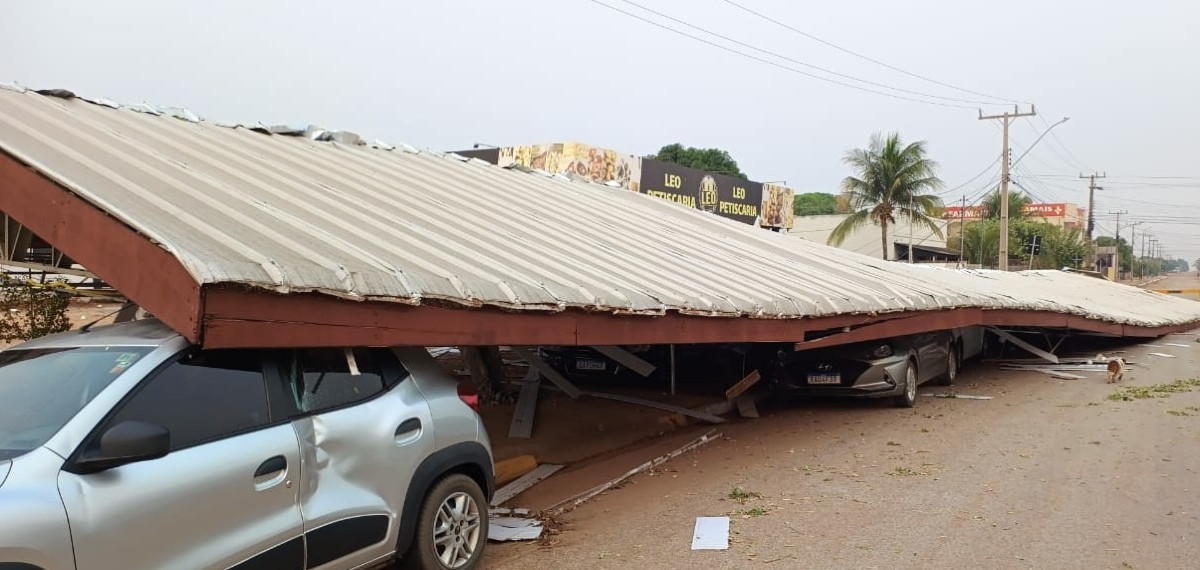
(1117, 245)
(1133, 243)
(962, 234)
(1005, 120)
(1153, 246)
(1091, 221)
(1142, 258)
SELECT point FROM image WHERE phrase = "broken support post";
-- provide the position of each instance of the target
(627, 359)
(522, 420)
(744, 384)
(550, 373)
(1025, 345)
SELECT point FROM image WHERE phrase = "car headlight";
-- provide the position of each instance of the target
(882, 351)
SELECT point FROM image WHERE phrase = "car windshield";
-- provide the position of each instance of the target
(42, 389)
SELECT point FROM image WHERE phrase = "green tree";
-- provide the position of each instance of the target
(706, 159)
(890, 179)
(1196, 264)
(981, 243)
(1016, 205)
(1058, 247)
(814, 204)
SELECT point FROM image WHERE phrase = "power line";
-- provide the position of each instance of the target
(861, 56)
(775, 63)
(1077, 163)
(973, 178)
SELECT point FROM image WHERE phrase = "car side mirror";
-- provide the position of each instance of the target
(125, 443)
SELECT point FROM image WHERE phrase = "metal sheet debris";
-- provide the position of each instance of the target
(523, 483)
(572, 502)
(711, 533)
(505, 529)
(1064, 375)
(710, 418)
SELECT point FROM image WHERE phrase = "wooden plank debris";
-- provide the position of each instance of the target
(572, 502)
(1025, 345)
(550, 373)
(1162, 355)
(627, 359)
(522, 420)
(742, 385)
(710, 418)
(522, 484)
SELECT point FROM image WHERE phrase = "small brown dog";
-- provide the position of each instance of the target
(1116, 370)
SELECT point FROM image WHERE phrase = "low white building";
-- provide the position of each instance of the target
(928, 247)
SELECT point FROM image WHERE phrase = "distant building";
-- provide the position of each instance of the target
(759, 203)
(927, 247)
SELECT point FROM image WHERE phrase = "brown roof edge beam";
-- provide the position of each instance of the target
(144, 272)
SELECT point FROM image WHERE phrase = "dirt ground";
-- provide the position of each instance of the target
(1048, 474)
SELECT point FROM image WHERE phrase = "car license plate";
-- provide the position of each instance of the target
(590, 365)
(825, 378)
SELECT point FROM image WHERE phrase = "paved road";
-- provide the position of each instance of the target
(1048, 474)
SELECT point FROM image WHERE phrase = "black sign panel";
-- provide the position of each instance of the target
(723, 195)
(491, 155)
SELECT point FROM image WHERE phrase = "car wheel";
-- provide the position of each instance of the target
(908, 399)
(947, 378)
(452, 528)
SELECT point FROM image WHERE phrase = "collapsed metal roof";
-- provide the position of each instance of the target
(295, 211)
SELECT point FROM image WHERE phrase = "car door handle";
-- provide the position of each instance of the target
(408, 426)
(272, 465)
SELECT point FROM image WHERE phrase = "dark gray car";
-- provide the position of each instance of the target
(891, 368)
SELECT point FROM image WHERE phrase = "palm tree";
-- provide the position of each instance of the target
(1016, 205)
(891, 179)
(982, 243)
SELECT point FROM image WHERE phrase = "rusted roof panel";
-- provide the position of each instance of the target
(247, 205)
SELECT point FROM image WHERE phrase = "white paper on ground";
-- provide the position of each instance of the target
(712, 533)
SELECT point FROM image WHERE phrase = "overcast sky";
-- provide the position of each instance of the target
(445, 75)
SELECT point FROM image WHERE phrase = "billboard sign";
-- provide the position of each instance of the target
(588, 162)
(725, 196)
(1030, 210)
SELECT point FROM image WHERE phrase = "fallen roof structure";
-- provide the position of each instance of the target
(248, 235)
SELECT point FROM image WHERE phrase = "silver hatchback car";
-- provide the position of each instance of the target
(127, 447)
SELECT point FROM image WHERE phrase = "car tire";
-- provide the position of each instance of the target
(908, 398)
(454, 511)
(952, 366)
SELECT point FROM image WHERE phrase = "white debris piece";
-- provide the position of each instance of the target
(712, 533)
(1162, 355)
(514, 528)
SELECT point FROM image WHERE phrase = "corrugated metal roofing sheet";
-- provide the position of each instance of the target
(238, 204)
